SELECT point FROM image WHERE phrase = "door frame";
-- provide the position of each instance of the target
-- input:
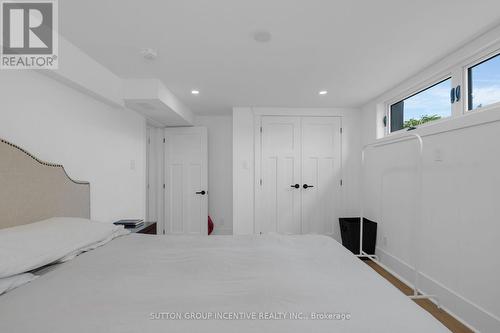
(258, 155)
(198, 130)
(154, 175)
(148, 176)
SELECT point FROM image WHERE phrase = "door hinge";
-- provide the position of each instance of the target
(341, 182)
(261, 129)
(341, 130)
(260, 182)
(163, 185)
(149, 140)
(163, 140)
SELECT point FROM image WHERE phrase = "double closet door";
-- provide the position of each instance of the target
(300, 175)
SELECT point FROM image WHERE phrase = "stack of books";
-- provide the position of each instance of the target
(130, 224)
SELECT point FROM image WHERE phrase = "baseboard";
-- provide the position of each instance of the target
(221, 231)
(467, 312)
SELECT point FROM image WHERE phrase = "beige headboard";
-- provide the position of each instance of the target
(32, 190)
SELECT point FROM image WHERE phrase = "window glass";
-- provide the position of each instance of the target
(484, 83)
(427, 105)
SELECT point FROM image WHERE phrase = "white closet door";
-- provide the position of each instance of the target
(280, 202)
(186, 192)
(321, 168)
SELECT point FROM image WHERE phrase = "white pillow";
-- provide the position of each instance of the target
(34, 245)
(11, 282)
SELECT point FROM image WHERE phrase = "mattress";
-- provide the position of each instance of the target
(271, 283)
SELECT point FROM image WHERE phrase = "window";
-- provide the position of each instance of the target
(430, 104)
(484, 83)
(470, 83)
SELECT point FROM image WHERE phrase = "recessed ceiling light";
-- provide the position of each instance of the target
(195, 92)
(323, 92)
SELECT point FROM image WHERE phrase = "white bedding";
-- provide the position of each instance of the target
(12, 282)
(27, 247)
(121, 286)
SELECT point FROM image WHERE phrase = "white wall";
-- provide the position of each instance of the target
(460, 226)
(243, 171)
(94, 141)
(244, 152)
(220, 181)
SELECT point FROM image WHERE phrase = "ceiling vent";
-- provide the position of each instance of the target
(262, 36)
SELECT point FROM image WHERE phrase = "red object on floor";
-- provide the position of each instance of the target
(210, 225)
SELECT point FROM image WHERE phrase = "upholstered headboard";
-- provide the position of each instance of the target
(32, 190)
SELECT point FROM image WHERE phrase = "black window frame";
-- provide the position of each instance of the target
(401, 102)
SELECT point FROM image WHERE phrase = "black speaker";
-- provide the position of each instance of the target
(349, 230)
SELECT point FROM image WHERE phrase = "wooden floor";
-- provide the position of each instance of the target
(441, 315)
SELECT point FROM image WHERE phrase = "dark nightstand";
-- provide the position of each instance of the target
(147, 228)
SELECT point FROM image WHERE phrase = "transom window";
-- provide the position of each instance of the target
(484, 83)
(427, 105)
(470, 85)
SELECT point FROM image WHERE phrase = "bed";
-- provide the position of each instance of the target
(144, 283)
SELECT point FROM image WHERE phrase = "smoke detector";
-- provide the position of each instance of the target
(149, 54)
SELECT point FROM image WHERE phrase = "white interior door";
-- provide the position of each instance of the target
(186, 192)
(321, 167)
(280, 171)
(300, 173)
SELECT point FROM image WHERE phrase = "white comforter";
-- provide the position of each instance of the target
(141, 283)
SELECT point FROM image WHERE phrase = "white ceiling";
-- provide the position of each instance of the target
(354, 49)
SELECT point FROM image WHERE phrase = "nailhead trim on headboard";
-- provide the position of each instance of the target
(45, 163)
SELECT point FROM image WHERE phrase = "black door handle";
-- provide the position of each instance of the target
(306, 186)
(201, 192)
(296, 185)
